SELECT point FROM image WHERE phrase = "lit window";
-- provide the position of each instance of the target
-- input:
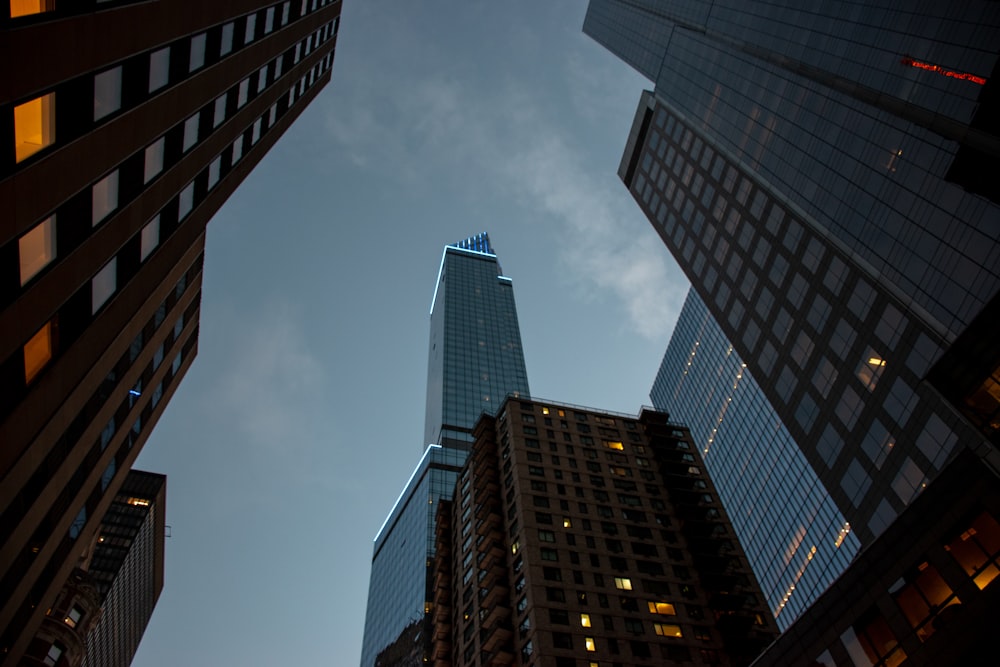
(56, 650)
(665, 630)
(105, 197)
(149, 237)
(237, 150)
(37, 352)
(214, 168)
(34, 126)
(190, 132)
(28, 7)
(614, 445)
(589, 643)
(251, 28)
(73, 616)
(103, 285)
(663, 608)
(623, 583)
(566, 522)
(37, 248)
(185, 201)
(154, 160)
(220, 111)
(197, 59)
(585, 620)
(244, 91)
(107, 92)
(870, 369)
(977, 550)
(159, 69)
(227, 39)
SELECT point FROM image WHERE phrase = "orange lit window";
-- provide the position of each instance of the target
(585, 620)
(922, 597)
(664, 608)
(589, 642)
(613, 445)
(37, 352)
(34, 126)
(665, 630)
(977, 550)
(37, 248)
(28, 7)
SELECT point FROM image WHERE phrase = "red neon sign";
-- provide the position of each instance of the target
(965, 76)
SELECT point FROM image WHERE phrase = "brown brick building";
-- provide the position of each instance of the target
(580, 538)
(124, 126)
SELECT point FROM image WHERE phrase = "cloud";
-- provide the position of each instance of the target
(494, 133)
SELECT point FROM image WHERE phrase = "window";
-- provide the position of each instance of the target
(105, 197)
(37, 248)
(214, 169)
(623, 583)
(870, 369)
(197, 59)
(56, 650)
(226, 44)
(255, 135)
(237, 150)
(185, 201)
(107, 92)
(589, 643)
(220, 111)
(103, 285)
(977, 549)
(149, 237)
(28, 7)
(159, 69)
(269, 20)
(190, 132)
(34, 125)
(662, 608)
(244, 91)
(284, 12)
(614, 445)
(153, 160)
(922, 595)
(74, 615)
(667, 630)
(250, 29)
(546, 536)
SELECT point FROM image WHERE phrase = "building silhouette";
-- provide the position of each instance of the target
(818, 173)
(475, 361)
(796, 539)
(124, 126)
(578, 536)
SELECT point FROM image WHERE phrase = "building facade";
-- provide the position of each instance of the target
(475, 360)
(123, 128)
(127, 568)
(810, 170)
(797, 540)
(581, 537)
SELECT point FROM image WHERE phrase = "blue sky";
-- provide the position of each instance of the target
(301, 419)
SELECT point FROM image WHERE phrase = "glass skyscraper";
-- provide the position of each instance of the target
(475, 361)
(816, 172)
(796, 539)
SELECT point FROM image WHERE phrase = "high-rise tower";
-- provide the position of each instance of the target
(124, 126)
(475, 361)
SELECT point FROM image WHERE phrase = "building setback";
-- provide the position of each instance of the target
(123, 128)
(797, 540)
(581, 537)
(475, 360)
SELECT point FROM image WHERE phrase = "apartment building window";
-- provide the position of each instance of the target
(226, 44)
(103, 285)
(149, 237)
(105, 197)
(37, 352)
(242, 95)
(34, 126)
(269, 20)
(190, 132)
(20, 8)
(153, 160)
(37, 248)
(185, 202)
(107, 92)
(159, 69)
(197, 57)
(251, 28)
(219, 114)
(214, 170)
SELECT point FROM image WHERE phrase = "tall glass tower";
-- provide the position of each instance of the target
(796, 539)
(475, 361)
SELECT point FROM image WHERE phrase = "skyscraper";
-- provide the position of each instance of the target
(127, 568)
(124, 126)
(475, 361)
(814, 172)
(579, 536)
(796, 539)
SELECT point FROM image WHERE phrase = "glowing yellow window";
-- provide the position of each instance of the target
(37, 248)
(589, 642)
(545, 411)
(585, 620)
(37, 352)
(567, 523)
(28, 7)
(34, 126)
(667, 630)
(623, 583)
(613, 445)
(664, 608)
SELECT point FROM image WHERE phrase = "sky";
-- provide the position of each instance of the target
(301, 419)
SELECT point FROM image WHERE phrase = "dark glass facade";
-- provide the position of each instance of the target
(475, 361)
(796, 539)
(802, 170)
